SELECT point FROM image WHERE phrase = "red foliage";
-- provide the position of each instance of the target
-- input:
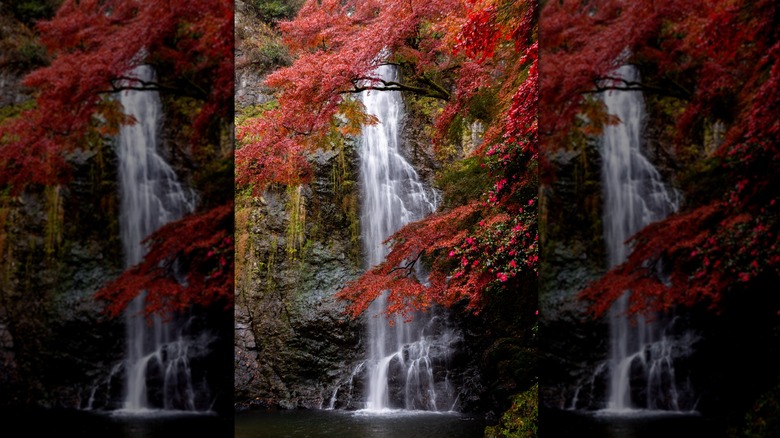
(201, 245)
(721, 60)
(480, 34)
(93, 44)
(489, 245)
(351, 38)
(270, 153)
(479, 45)
(427, 239)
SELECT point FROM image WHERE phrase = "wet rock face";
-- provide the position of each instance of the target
(55, 251)
(571, 343)
(10, 92)
(292, 336)
(296, 249)
(57, 339)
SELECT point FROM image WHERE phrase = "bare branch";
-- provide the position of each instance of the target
(435, 91)
(408, 266)
(599, 87)
(124, 83)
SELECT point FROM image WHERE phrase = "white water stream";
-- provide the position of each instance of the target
(150, 196)
(634, 196)
(403, 357)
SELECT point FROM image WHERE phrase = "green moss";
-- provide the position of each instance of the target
(483, 105)
(703, 180)
(764, 419)
(296, 221)
(212, 178)
(456, 129)
(341, 174)
(254, 111)
(242, 236)
(345, 193)
(521, 420)
(6, 220)
(54, 221)
(31, 54)
(30, 11)
(273, 10)
(272, 54)
(11, 111)
(312, 235)
(463, 181)
(354, 229)
(270, 264)
(261, 46)
(20, 49)
(425, 106)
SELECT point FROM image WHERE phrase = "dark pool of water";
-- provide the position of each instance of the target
(16, 422)
(356, 424)
(557, 423)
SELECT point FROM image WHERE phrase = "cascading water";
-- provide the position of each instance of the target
(151, 196)
(393, 195)
(641, 371)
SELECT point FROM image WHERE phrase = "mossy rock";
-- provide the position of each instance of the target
(763, 420)
(521, 420)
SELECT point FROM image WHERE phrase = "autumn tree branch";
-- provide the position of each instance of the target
(599, 86)
(408, 265)
(434, 90)
(124, 83)
(428, 81)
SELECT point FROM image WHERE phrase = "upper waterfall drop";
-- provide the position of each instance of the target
(393, 193)
(634, 194)
(150, 192)
(393, 196)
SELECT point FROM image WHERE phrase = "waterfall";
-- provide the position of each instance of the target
(641, 371)
(151, 196)
(407, 354)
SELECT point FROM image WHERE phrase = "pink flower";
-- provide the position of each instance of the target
(452, 253)
(501, 276)
(512, 263)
